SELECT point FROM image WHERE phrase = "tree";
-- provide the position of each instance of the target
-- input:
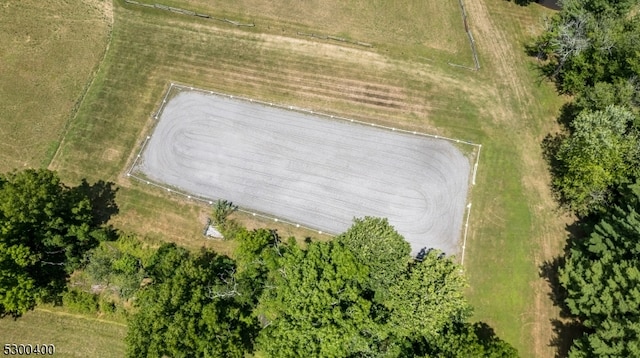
(118, 265)
(608, 7)
(601, 277)
(601, 153)
(589, 42)
(468, 340)
(321, 302)
(221, 210)
(45, 230)
(190, 308)
(603, 94)
(375, 244)
(18, 290)
(315, 302)
(428, 296)
(317, 307)
(257, 258)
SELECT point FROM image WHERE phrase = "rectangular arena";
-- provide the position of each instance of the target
(308, 169)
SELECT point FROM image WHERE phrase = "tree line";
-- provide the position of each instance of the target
(361, 294)
(591, 50)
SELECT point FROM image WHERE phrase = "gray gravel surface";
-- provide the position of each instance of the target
(309, 169)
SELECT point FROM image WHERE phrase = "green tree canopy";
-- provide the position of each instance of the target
(603, 94)
(592, 41)
(118, 265)
(428, 296)
(257, 257)
(317, 307)
(321, 302)
(45, 230)
(376, 244)
(602, 278)
(190, 308)
(601, 153)
(467, 340)
(313, 302)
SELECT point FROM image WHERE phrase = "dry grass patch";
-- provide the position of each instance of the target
(427, 28)
(47, 61)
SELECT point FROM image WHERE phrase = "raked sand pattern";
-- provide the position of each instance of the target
(312, 170)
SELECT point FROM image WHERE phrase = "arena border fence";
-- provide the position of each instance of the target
(210, 201)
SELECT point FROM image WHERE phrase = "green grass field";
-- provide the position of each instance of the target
(46, 64)
(404, 83)
(72, 335)
(408, 27)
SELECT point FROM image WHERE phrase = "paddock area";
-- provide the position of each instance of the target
(308, 169)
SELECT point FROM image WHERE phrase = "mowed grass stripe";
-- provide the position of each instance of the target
(154, 51)
(320, 92)
(263, 61)
(392, 94)
(348, 94)
(434, 27)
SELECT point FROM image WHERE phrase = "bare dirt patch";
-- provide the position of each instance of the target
(111, 154)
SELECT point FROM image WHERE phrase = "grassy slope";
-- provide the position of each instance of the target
(45, 63)
(513, 227)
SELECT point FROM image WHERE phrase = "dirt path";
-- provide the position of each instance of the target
(79, 316)
(499, 55)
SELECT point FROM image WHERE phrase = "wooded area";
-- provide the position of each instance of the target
(46, 229)
(359, 294)
(592, 50)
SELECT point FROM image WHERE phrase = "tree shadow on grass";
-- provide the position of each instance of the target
(522, 2)
(484, 332)
(102, 195)
(568, 113)
(565, 333)
(550, 147)
(549, 271)
(567, 328)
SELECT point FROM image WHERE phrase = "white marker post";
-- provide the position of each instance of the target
(466, 230)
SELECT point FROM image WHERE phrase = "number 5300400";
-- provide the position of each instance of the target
(28, 349)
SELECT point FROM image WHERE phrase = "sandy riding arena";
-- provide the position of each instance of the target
(308, 169)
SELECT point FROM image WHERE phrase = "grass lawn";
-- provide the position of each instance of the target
(72, 335)
(46, 63)
(431, 29)
(405, 83)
